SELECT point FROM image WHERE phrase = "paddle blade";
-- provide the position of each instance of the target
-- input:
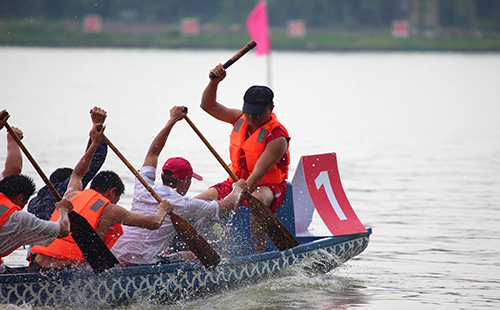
(93, 248)
(196, 243)
(277, 232)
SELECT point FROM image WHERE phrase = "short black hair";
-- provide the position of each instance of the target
(105, 180)
(167, 179)
(60, 174)
(16, 184)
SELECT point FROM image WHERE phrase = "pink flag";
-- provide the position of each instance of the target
(258, 28)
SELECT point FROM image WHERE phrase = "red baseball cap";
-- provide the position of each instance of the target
(179, 168)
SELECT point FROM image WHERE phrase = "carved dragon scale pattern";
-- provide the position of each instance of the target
(168, 283)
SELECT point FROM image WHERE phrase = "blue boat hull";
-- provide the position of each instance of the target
(168, 283)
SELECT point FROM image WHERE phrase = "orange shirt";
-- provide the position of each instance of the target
(89, 204)
(245, 150)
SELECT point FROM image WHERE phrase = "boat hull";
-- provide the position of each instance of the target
(168, 283)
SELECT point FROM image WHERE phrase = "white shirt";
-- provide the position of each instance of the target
(140, 245)
(23, 228)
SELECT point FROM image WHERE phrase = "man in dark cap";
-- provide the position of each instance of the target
(258, 148)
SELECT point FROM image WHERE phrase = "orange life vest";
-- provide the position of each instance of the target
(7, 207)
(89, 204)
(252, 148)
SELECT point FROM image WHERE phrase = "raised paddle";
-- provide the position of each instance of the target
(196, 243)
(278, 234)
(237, 56)
(93, 248)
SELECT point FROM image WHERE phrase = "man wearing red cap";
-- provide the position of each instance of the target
(141, 246)
(258, 148)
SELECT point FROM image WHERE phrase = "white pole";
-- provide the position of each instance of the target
(268, 69)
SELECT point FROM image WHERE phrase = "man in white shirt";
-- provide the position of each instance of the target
(141, 246)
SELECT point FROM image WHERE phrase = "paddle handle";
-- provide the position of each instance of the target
(133, 170)
(214, 152)
(34, 163)
(237, 56)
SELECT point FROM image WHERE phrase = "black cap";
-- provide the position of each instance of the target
(257, 99)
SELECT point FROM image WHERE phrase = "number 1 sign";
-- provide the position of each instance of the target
(316, 185)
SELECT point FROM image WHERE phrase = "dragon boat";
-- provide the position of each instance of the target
(311, 194)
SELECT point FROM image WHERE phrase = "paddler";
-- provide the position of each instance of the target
(141, 247)
(98, 205)
(22, 228)
(258, 148)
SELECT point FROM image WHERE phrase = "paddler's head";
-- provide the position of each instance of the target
(258, 105)
(18, 188)
(177, 173)
(109, 184)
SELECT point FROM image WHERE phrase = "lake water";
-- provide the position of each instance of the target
(417, 137)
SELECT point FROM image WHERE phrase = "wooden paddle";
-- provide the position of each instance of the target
(93, 248)
(278, 234)
(196, 243)
(237, 56)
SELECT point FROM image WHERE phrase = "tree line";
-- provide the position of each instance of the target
(350, 14)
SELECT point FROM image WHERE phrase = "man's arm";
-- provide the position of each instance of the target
(98, 116)
(96, 163)
(75, 183)
(209, 99)
(151, 159)
(64, 207)
(116, 214)
(14, 159)
(273, 152)
(232, 201)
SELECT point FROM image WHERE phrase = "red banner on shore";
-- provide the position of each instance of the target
(92, 23)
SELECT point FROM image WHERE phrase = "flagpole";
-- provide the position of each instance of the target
(269, 77)
(268, 62)
(258, 28)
